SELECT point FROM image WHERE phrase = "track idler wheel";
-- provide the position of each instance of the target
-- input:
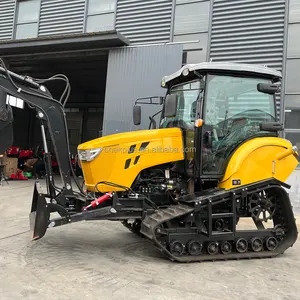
(176, 248)
(194, 248)
(257, 244)
(226, 248)
(241, 245)
(212, 248)
(271, 243)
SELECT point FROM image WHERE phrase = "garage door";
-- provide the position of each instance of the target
(136, 72)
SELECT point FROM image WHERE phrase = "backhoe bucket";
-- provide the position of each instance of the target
(6, 127)
(39, 215)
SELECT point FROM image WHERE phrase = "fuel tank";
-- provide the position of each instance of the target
(119, 158)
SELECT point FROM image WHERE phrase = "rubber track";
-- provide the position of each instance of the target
(153, 221)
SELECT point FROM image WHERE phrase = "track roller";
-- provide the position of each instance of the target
(212, 248)
(225, 248)
(271, 243)
(256, 244)
(241, 245)
(194, 248)
(176, 248)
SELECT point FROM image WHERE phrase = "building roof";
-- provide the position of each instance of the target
(71, 42)
(224, 66)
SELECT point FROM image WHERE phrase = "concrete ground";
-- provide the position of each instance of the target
(102, 260)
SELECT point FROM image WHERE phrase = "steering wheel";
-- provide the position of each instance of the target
(233, 133)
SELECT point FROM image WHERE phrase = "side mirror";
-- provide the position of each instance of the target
(267, 88)
(137, 115)
(170, 109)
(271, 126)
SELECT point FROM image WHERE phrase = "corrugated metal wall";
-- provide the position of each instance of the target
(61, 17)
(7, 10)
(133, 73)
(144, 21)
(249, 31)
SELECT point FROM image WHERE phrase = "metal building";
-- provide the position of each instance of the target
(115, 51)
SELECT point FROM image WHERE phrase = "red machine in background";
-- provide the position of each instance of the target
(17, 158)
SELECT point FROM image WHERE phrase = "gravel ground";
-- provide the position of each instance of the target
(102, 260)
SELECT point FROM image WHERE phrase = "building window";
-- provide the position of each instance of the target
(195, 47)
(27, 19)
(191, 27)
(72, 110)
(292, 118)
(192, 18)
(100, 15)
(192, 57)
(294, 11)
(15, 102)
(293, 48)
(292, 76)
(294, 138)
(184, 58)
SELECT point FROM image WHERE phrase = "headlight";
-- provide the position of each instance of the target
(88, 155)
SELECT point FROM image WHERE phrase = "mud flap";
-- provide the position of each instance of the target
(6, 127)
(39, 215)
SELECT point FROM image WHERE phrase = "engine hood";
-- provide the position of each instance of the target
(123, 156)
(127, 137)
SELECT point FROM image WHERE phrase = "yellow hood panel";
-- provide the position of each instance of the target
(126, 137)
(125, 155)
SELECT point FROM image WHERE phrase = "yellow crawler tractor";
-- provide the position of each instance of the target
(215, 158)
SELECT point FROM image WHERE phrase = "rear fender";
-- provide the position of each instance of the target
(260, 159)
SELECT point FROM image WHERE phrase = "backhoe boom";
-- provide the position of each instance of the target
(51, 113)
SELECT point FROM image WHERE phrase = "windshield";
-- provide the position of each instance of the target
(228, 96)
(234, 110)
(188, 95)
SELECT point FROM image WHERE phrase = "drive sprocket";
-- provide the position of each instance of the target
(262, 206)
